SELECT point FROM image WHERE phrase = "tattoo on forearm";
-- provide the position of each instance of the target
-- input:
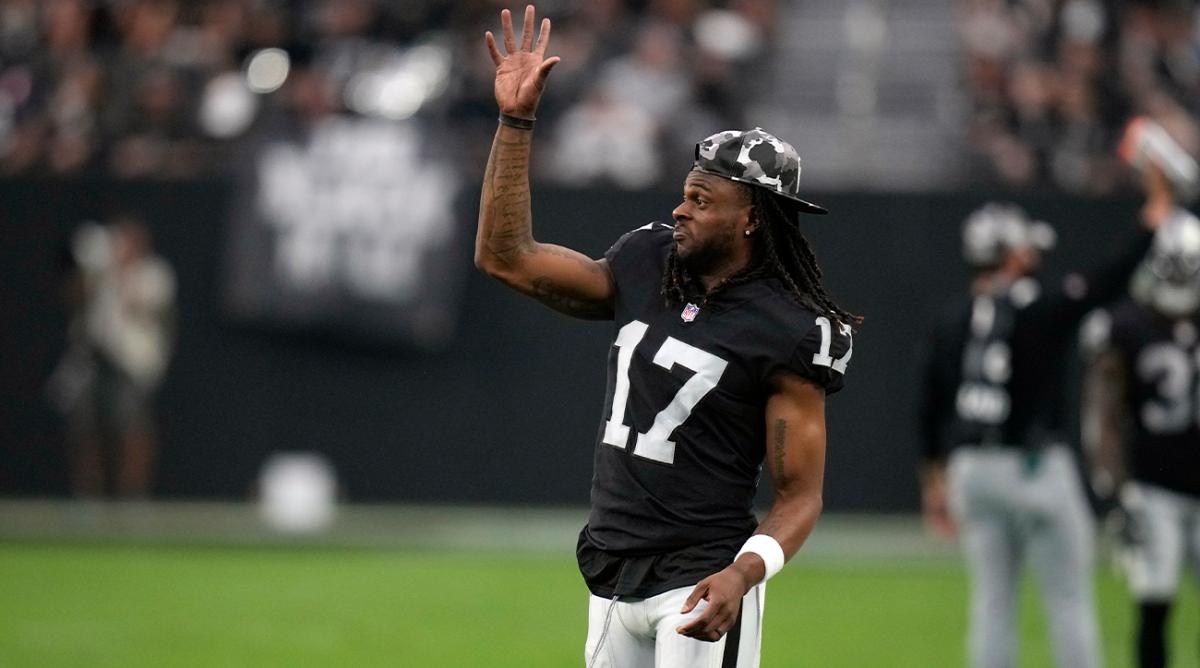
(780, 446)
(553, 295)
(505, 230)
(507, 180)
(580, 259)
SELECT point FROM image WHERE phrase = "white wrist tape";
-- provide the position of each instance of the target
(767, 548)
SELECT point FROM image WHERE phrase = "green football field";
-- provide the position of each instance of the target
(122, 599)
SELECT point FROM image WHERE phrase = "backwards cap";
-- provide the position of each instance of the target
(757, 158)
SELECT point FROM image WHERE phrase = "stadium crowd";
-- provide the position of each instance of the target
(149, 88)
(1052, 82)
(163, 88)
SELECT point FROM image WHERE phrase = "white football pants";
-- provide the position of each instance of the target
(1170, 526)
(1010, 511)
(640, 633)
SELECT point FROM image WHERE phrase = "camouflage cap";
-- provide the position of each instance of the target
(755, 157)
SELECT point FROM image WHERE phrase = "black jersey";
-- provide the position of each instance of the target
(683, 432)
(998, 363)
(1162, 389)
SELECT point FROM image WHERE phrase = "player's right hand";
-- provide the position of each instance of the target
(521, 74)
(935, 506)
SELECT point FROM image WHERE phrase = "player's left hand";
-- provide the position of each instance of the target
(1126, 526)
(935, 504)
(935, 509)
(723, 591)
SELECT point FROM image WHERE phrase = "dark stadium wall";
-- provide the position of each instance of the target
(507, 412)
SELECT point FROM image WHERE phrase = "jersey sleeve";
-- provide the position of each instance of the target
(636, 241)
(636, 255)
(823, 354)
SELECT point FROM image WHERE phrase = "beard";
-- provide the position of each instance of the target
(702, 258)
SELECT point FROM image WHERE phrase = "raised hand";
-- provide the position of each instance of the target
(521, 75)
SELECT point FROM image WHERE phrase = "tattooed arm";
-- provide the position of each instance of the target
(563, 279)
(796, 461)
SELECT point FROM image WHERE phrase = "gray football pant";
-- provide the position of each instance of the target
(1011, 509)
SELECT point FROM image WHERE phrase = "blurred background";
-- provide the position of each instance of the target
(287, 191)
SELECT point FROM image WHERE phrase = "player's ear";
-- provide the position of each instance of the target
(750, 220)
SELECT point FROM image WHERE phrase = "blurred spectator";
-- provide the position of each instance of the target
(605, 140)
(652, 76)
(162, 88)
(1046, 106)
(121, 300)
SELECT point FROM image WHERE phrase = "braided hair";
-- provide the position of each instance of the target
(782, 252)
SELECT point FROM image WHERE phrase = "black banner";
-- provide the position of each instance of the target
(348, 228)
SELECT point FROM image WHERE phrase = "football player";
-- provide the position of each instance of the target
(725, 345)
(1142, 423)
(996, 464)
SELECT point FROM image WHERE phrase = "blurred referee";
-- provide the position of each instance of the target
(996, 464)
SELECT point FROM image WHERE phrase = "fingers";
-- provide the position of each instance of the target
(527, 29)
(544, 70)
(695, 628)
(491, 45)
(703, 626)
(695, 597)
(712, 623)
(543, 38)
(510, 40)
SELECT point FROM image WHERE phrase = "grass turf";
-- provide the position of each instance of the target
(96, 605)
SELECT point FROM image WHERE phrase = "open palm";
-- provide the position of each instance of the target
(521, 75)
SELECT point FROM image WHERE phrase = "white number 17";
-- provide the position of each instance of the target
(822, 358)
(655, 443)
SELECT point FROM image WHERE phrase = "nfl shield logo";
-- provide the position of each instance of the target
(690, 312)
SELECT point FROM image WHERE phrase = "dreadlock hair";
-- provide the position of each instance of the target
(782, 252)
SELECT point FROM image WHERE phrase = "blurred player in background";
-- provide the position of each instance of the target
(1142, 424)
(725, 347)
(120, 339)
(996, 463)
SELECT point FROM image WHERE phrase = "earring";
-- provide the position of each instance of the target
(747, 232)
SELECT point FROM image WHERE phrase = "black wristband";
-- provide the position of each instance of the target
(516, 122)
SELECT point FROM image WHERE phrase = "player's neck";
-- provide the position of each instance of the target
(721, 269)
(714, 277)
(996, 282)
